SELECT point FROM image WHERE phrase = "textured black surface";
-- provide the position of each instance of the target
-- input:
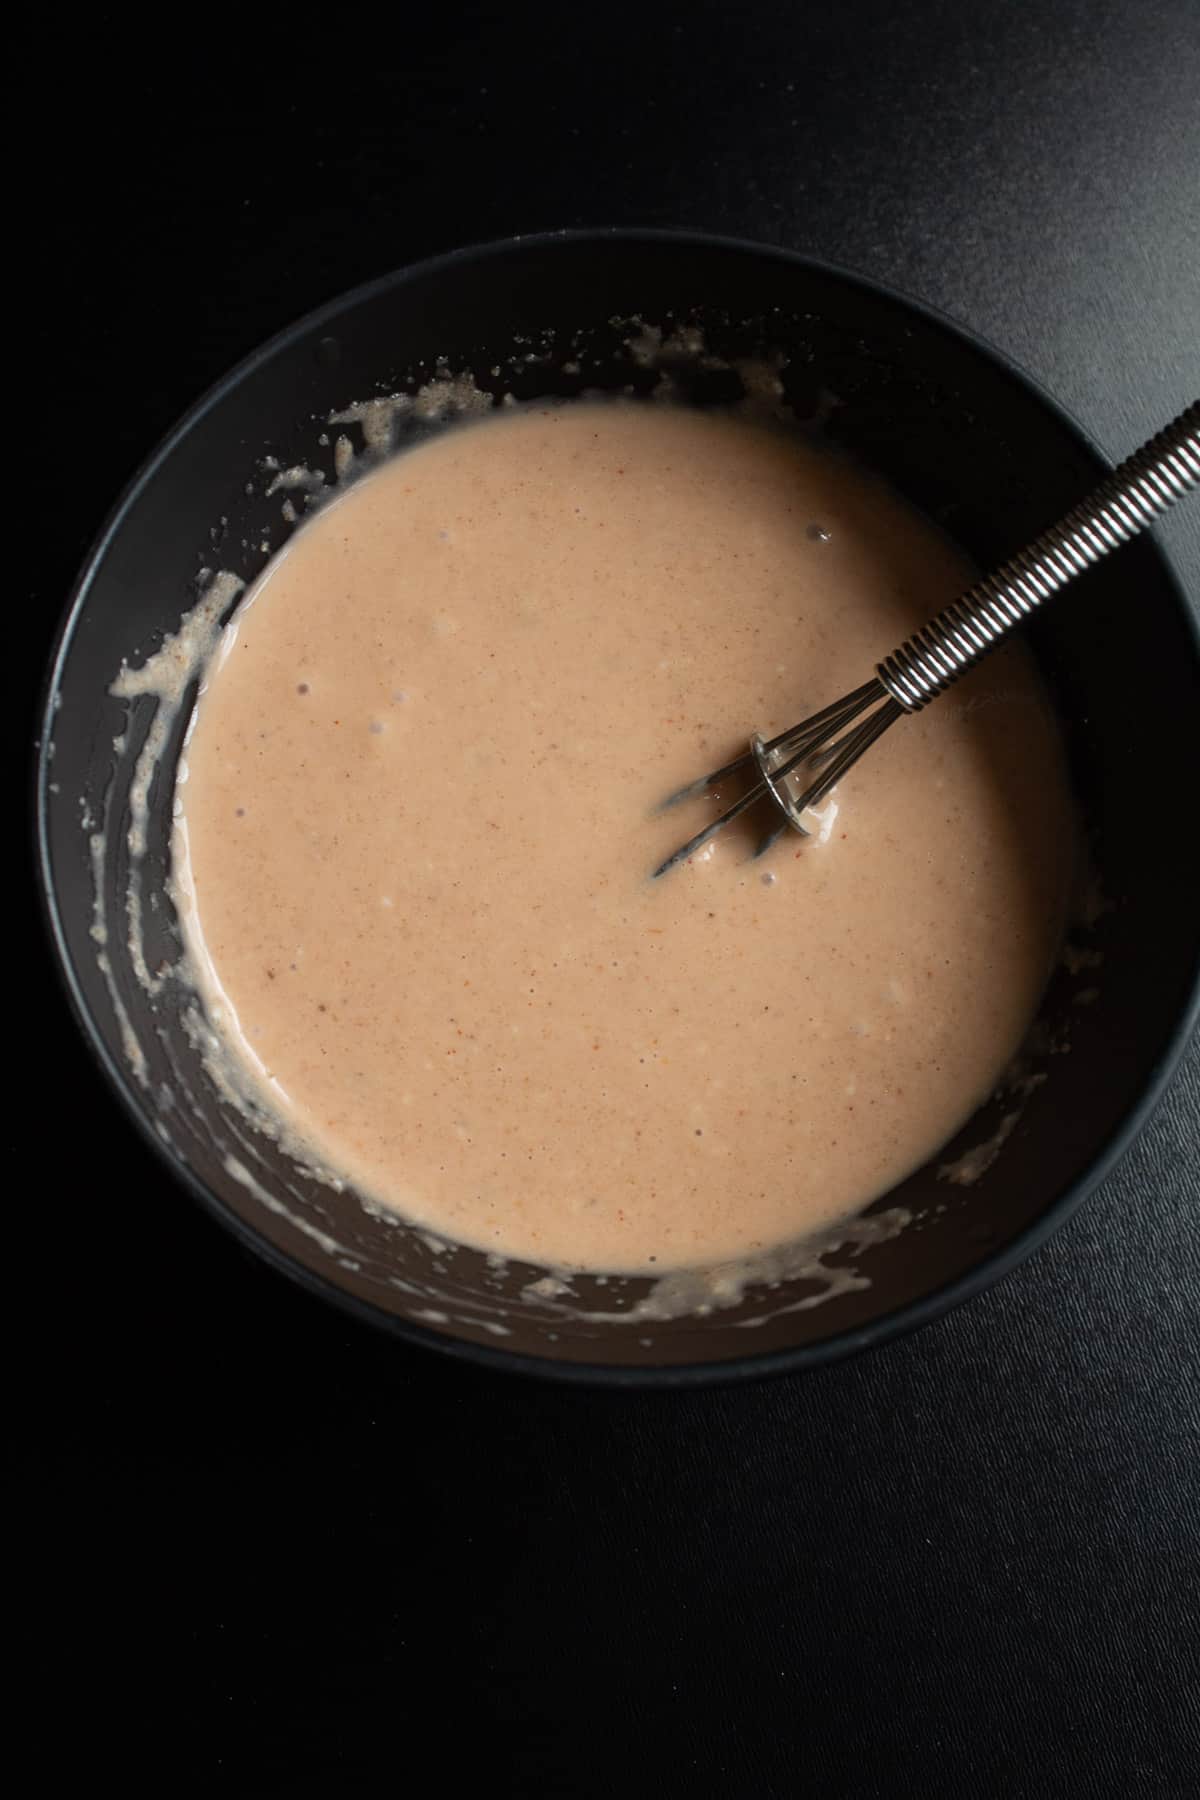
(272, 1553)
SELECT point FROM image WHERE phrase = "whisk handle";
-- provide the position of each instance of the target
(1132, 497)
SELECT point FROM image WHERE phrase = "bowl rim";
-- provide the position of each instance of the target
(755, 1365)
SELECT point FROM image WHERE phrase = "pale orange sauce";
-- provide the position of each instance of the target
(418, 819)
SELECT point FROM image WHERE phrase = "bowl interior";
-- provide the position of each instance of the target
(957, 431)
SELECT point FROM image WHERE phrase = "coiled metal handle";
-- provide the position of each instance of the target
(1134, 495)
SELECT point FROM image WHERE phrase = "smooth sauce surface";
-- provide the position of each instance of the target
(417, 824)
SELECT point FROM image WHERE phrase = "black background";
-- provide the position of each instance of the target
(271, 1553)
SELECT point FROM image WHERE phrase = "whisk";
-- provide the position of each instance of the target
(800, 767)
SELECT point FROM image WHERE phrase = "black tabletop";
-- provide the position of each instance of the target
(273, 1553)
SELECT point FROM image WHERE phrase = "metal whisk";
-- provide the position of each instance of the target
(798, 768)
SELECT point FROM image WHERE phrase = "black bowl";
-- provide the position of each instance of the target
(953, 426)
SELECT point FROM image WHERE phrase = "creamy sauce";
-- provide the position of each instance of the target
(416, 818)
